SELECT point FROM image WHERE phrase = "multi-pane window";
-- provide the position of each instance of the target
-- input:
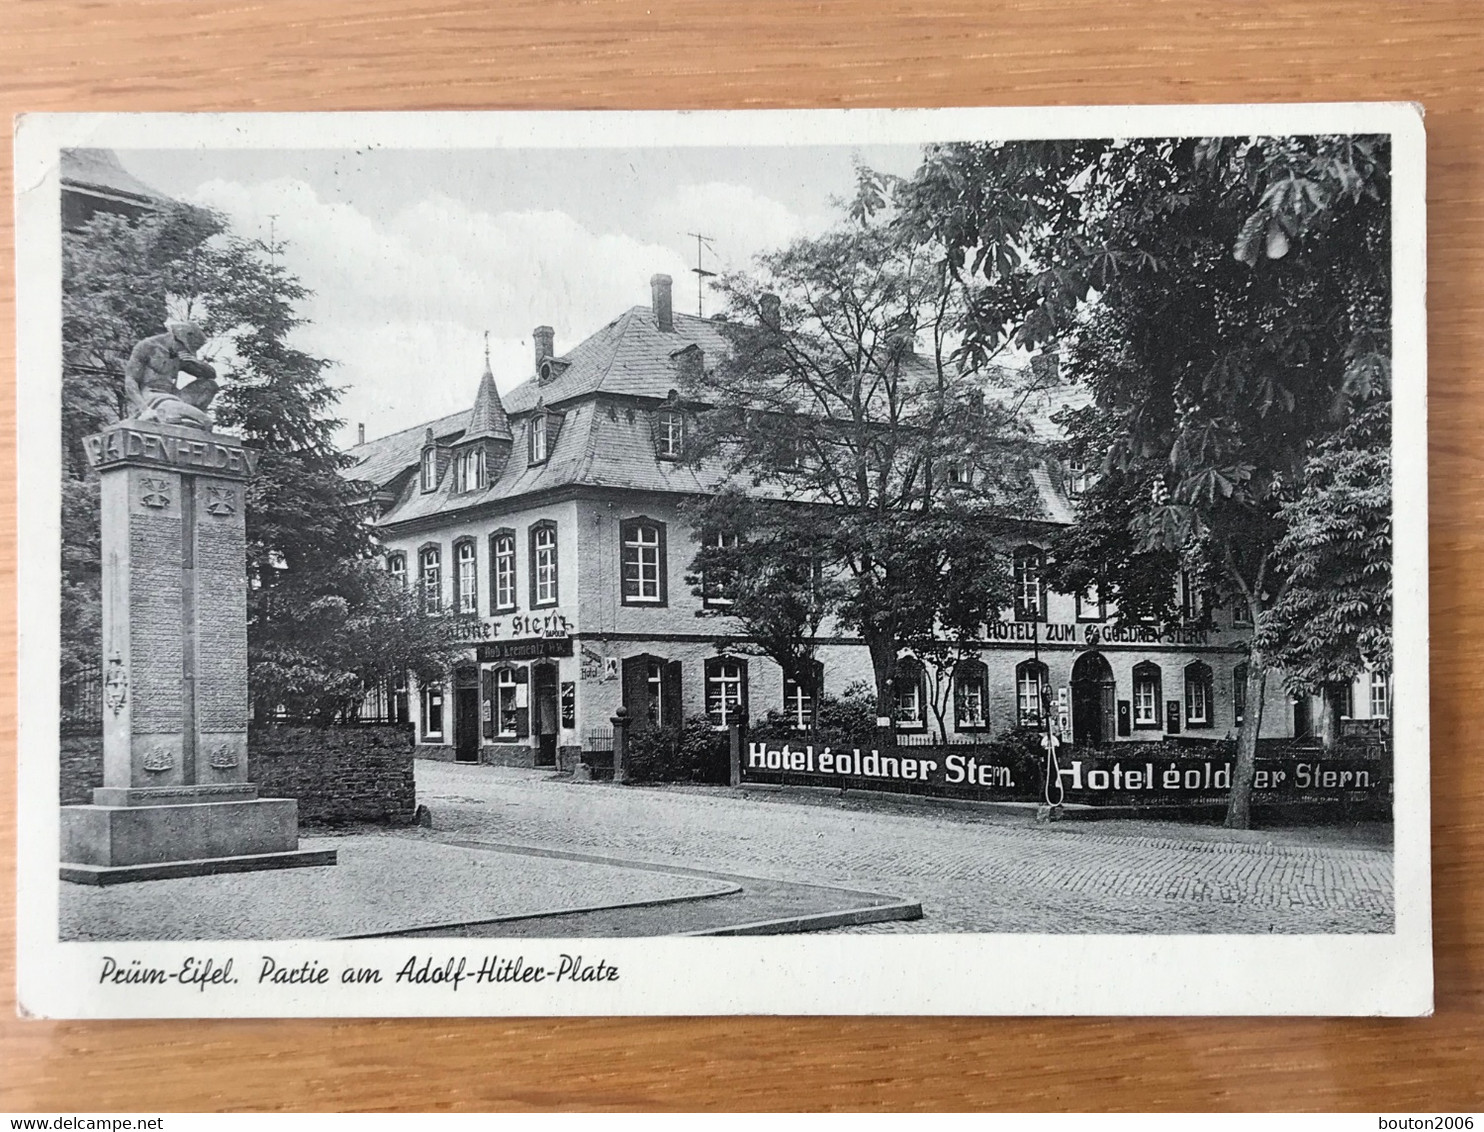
(714, 581)
(1239, 692)
(643, 562)
(1344, 694)
(1380, 696)
(1090, 605)
(1030, 679)
(909, 697)
(1192, 599)
(1241, 615)
(726, 691)
(507, 703)
(544, 564)
(430, 566)
(432, 711)
(1146, 695)
(654, 693)
(536, 430)
(1198, 695)
(970, 695)
(669, 434)
(502, 570)
(959, 473)
(396, 566)
(1030, 603)
(1078, 478)
(798, 699)
(467, 578)
(468, 470)
(429, 469)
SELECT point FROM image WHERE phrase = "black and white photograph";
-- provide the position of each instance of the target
(834, 562)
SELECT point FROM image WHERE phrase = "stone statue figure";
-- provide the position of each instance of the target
(151, 373)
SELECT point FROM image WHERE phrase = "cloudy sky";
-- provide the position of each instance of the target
(413, 255)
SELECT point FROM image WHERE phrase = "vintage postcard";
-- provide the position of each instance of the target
(927, 562)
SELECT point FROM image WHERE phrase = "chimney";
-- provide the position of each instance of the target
(768, 308)
(361, 434)
(659, 289)
(545, 338)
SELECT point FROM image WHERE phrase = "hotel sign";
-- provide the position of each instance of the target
(995, 774)
(515, 625)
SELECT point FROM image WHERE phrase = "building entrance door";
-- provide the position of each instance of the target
(545, 716)
(1093, 720)
(466, 715)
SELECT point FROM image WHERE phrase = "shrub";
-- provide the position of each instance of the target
(693, 752)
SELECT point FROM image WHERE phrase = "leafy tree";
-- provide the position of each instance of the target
(838, 398)
(319, 624)
(1333, 621)
(760, 564)
(1227, 302)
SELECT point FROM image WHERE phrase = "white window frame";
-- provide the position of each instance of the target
(506, 595)
(1029, 564)
(430, 693)
(1197, 690)
(654, 691)
(974, 676)
(1380, 684)
(537, 430)
(1146, 700)
(670, 434)
(396, 566)
(466, 570)
(712, 596)
(907, 699)
(798, 704)
(506, 703)
(429, 470)
(643, 564)
(725, 682)
(430, 578)
(544, 551)
(1029, 680)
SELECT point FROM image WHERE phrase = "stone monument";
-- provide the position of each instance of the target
(175, 799)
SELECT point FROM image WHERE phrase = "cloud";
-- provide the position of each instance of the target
(401, 304)
(740, 221)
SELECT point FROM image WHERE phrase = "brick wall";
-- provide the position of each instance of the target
(82, 768)
(337, 773)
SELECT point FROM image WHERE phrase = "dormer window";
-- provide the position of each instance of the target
(669, 437)
(1078, 479)
(536, 431)
(469, 470)
(430, 468)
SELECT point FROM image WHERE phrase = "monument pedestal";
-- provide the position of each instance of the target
(175, 799)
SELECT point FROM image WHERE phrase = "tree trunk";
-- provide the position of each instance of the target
(883, 652)
(1239, 807)
(1329, 717)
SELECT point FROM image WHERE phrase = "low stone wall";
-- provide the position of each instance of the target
(337, 774)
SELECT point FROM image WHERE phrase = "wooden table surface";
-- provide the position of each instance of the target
(446, 54)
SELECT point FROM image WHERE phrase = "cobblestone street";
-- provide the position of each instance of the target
(972, 871)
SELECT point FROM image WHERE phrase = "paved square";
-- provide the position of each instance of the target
(972, 871)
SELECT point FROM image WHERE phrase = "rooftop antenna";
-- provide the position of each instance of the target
(700, 271)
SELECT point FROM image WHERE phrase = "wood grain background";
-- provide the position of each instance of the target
(438, 54)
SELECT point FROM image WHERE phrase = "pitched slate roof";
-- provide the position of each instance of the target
(604, 439)
(487, 420)
(100, 170)
(382, 460)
